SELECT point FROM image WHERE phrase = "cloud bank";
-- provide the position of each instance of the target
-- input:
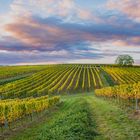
(63, 31)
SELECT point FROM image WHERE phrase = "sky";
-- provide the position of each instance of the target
(68, 31)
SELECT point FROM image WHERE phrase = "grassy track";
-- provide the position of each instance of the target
(73, 121)
(112, 122)
(84, 117)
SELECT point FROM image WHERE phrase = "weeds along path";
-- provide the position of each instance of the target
(112, 122)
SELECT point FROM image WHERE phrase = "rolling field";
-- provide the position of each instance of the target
(13, 73)
(58, 79)
(30, 91)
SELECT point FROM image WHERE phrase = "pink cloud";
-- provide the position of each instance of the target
(67, 9)
(129, 7)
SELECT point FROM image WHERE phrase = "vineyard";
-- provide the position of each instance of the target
(26, 91)
(12, 73)
(15, 109)
(55, 80)
(124, 75)
(126, 94)
(58, 79)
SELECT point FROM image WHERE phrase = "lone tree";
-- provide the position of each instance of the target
(124, 60)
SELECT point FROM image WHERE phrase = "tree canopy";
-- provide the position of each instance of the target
(124, 60)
